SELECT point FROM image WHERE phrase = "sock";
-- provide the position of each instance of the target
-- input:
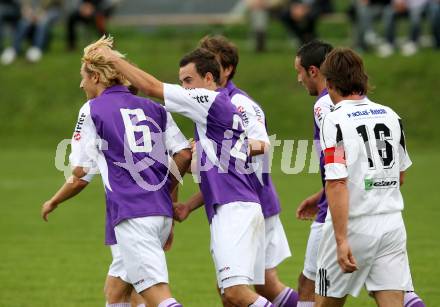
(141, 305)
(261, 302)
(305, 304)
(170, 302)
(413, 300)
(118, 305)
(287, 298)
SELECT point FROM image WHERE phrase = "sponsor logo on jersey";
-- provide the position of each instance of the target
(381, 183)
(367, 112)
(202, 98)
(78, 128)
(258, 113)
(244, 116)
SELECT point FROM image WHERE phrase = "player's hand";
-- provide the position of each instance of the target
(307, 209)
(345, 258)
(169, 243)
(47, 208)
(181, 212)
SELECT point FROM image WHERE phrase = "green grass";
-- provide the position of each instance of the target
(64, 262)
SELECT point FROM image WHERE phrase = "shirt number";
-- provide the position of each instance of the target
(132, 130)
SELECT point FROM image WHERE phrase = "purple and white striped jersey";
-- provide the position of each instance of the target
(129, 139)
(323, 105)
(221, 144)
(255, 125)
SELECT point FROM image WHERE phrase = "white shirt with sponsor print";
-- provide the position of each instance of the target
(364, 142)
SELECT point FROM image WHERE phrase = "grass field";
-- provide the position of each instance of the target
(64, 262)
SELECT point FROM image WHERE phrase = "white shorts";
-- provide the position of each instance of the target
(276, 247)
(237, 244)
(378, 244)
(140, 242)
(310, 265)
(117, 268)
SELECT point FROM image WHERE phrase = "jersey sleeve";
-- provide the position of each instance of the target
(175, 141)
(405, 161)
(84, 141)
(253, 118)
(191, 103)
(333, 148)
(322, 107)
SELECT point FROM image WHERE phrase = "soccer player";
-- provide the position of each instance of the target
(308, 61)
(233, 209)
(363, 238)
(129, 139)
(276, 245)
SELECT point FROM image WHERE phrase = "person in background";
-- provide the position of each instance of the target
(301, 17)
(415, 10)
(9, 14)
(93, 12)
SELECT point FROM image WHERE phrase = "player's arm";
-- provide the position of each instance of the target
(73, 186)
(405, 161)
(255, 127)
(336, 190)
(142, 80)
(82, 157)
(309, 206)
(183, 210)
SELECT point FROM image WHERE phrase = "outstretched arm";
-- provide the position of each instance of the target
(142, 80)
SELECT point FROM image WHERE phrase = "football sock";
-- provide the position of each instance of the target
(305, 304)
(170, 302)
(413, 300)
(118, 305)
(287, 298)
(261, 302)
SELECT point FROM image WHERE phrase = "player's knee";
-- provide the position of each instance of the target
(306, 288)
(114, 295)
(232, 295)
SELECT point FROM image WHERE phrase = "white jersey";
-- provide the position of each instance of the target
(364, 142)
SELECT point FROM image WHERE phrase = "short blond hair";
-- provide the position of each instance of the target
(94, 62)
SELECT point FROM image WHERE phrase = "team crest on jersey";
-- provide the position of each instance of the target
(77, 136)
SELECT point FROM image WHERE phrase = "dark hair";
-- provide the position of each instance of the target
(205, 61)
(226, 51)
(344, 68)
(313, 53)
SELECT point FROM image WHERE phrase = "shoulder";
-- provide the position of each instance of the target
(322, 107)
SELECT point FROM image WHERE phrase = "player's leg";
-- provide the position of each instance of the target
(237, 247)
(117, 292)
(117, 288)
(322, 301)
(306, 280)
(390, 275)
(136, 299)
(388, 298)
(332, 285)
(141, 243)
(276, 251)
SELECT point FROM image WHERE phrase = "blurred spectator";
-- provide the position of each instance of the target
(435, 22)
(9, 15)
(259, 18)
(89, 12)
(398, 8)
(364, 12)
(38, 17)
(301, 16)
